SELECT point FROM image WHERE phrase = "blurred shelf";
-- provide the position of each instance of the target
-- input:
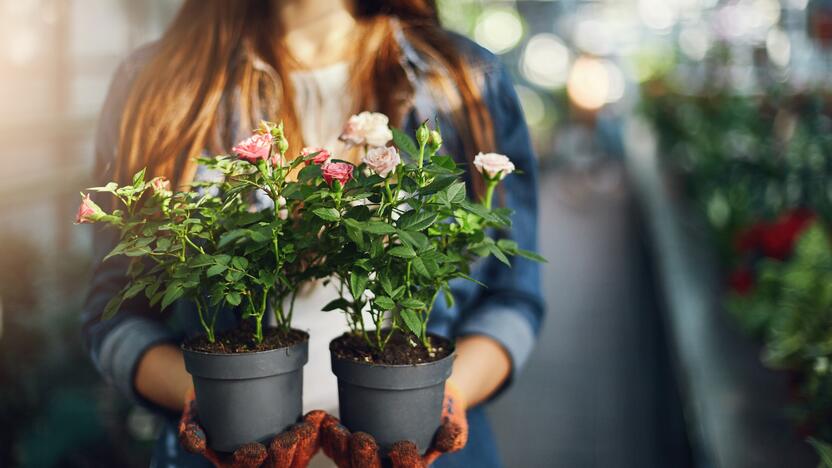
(733, 405)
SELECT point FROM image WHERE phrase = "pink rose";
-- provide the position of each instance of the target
(340, 171)
(320, 158)
(367, 128)
(160, 185)
(493, 165)
(254, 148)
(382, 160)
(88, 212)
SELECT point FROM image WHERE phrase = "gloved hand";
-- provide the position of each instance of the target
(290, 449)
(360, 450)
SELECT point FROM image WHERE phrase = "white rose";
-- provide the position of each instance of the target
(382, 160)
(370, 128)
(493, 165)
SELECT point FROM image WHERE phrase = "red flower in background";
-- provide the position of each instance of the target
(774, 239)
(777, 241)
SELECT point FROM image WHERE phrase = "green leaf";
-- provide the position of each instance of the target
(378, 227)
(336, 304)
(241, 263)
(112, 307)
(404, 143)
(411, 319)
(824, 451)
(456, 192)
(438, 184)
(402, 251)
(531, 255)
(173, 292)
(384, 302)
(358, 283)
(449, 297)
(376, 247)
(499, 254)
(412, 303)
(231, 236)
(355, 234)
(446, 162)
(420, 268)
(416, 220)
(386, 284)
(137, 252)
(476, 209)
(415, 239)
(134, 289)
(215, 270)
(138, 178)
(471, 279)
(508, 245)
(309, 172)
(233, 298)
(327, 214)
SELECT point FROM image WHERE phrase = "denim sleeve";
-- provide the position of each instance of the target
(116, 345)
(510, 309)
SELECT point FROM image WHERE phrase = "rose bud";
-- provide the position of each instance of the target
(88, 212)
(337, 171)
(320, 158)
(422, 134)
(435, 140)
(493, 165)
(382, 160)
(254, 148)
(367, 128)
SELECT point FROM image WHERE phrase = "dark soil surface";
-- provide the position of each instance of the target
(241, 340)
(400, 350)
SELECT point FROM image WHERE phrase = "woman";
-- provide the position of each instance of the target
(224, 65)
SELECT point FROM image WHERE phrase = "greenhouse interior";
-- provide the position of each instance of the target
(683, 208)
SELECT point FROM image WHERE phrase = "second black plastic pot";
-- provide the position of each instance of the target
(247, 397)
(392, 402)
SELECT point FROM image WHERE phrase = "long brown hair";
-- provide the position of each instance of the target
(218, 52)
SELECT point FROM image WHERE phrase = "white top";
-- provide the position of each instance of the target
(323, 106)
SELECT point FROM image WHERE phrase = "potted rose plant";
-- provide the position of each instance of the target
(208, 245)
(395, 235)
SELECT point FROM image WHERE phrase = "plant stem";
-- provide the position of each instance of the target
(489, 193)
(209, 330)
(288, 321)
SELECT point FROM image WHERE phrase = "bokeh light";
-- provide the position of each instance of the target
(589, 83)
(499, 29)
(545, 61)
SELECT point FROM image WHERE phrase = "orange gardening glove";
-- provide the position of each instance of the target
(290, 449)
(360, 450)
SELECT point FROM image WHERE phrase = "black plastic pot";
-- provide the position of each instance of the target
(392, 403)
(247, 397)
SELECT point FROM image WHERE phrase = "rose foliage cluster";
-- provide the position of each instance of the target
(392, 232)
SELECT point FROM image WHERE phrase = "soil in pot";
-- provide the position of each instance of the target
(247, 392)
(240, 340)
(400, 350)
(395, 394)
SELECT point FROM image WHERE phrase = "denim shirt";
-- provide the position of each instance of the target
(509, 310)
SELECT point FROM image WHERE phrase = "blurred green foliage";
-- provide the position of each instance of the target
(745, 158)
(748, 161)
(790, 309)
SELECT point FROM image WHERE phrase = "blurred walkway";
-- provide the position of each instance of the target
(596, 392)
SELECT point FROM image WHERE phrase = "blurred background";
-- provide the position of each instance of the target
(685, 205)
